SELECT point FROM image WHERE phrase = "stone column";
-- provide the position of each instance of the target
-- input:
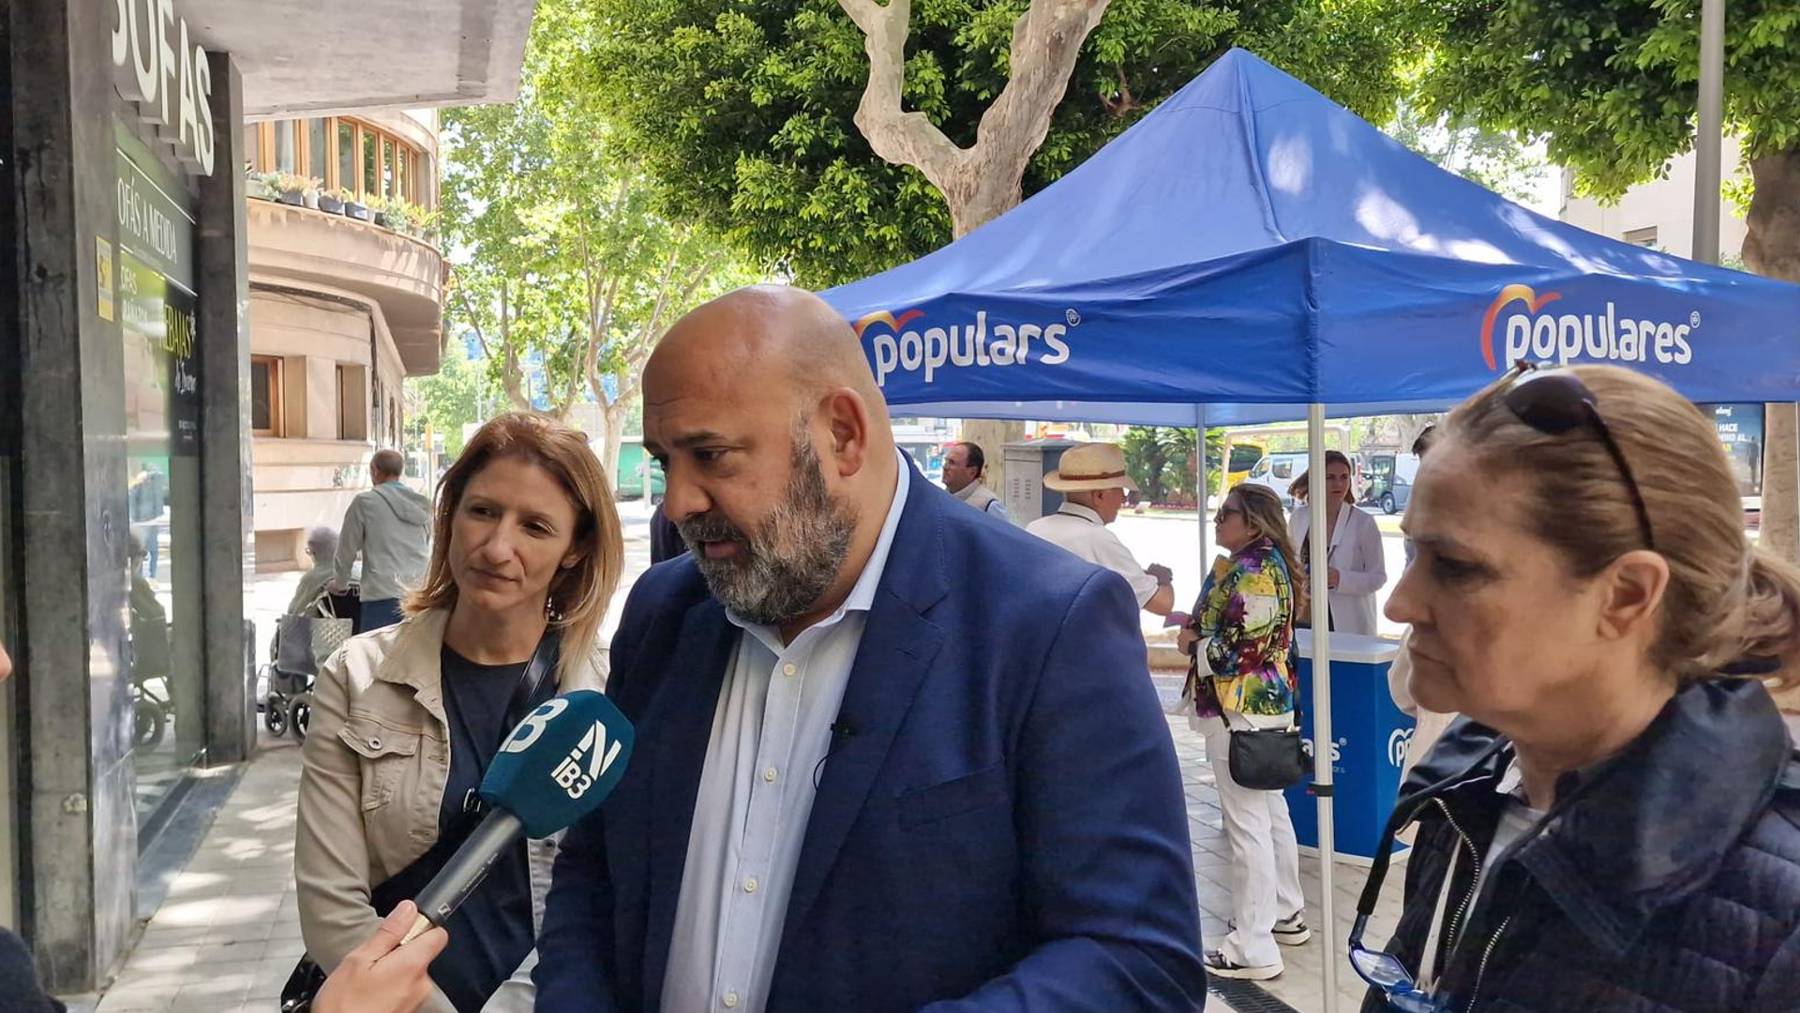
(78, 712)
(225, 463)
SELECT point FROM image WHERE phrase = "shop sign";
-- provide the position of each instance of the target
(158, 67)
(152, 225)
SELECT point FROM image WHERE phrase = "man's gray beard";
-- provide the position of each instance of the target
(794, 556)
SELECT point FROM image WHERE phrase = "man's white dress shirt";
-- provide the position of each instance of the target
(1080, 530)
(771, 734)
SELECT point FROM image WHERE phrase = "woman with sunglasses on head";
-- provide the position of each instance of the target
(1357, 568)
(526, 552)
(1614, 824)
(1242, 679)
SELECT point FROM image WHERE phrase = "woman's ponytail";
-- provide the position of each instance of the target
(1770, 637)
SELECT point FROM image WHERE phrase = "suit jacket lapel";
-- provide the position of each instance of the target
(682, 719)
(898, 645)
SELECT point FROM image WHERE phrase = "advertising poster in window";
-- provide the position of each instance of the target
(1740, 429)
(157, 310)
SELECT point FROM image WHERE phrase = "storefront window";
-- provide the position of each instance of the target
(9, 802)
(162, 444)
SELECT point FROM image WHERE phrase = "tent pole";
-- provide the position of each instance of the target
(1321, 701)
(1201, 483)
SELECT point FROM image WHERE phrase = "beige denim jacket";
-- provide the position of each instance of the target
(377, 756)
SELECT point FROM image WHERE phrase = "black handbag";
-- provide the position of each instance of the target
(1271, 759)
(308, 977)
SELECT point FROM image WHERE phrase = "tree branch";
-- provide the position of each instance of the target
(983, 181)
(462, 296)
(1047, 38)
(898, 136)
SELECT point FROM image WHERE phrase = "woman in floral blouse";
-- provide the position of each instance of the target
(1242, 678)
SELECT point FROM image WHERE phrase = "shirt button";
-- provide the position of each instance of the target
(788, 669)
(769, 775)
(731, 1000)
(750, 885)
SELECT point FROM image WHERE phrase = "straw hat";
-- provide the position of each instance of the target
(1090, 466)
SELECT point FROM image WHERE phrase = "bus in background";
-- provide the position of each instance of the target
(1243, 458)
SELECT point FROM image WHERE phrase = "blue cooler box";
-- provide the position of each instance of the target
(1369, 740)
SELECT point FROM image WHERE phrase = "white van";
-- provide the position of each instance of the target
(1278, 471)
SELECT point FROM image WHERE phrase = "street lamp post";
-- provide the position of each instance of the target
(1708, 137)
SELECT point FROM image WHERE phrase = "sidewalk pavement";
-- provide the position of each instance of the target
(229, 933)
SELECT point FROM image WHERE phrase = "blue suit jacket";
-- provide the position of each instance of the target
(1005, 830)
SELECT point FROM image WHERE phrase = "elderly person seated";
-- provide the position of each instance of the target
(321, 545)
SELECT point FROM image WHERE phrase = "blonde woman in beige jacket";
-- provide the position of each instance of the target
(526, 552)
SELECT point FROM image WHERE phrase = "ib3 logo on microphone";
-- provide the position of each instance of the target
(590, 758)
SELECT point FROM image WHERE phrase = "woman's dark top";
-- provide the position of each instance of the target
(492, 931)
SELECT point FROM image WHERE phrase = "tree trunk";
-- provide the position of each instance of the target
(612, 422)
(1772, 249)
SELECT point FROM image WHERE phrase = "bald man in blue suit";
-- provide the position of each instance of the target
(894, 754)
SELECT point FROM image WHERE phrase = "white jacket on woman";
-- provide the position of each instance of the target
(1356, 552)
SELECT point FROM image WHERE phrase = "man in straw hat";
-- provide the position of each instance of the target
(1093, 482)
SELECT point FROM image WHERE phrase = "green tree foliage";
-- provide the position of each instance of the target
(451, 398)
(1160, 460)
(746, 109)
(1491, 158)
(561, 250)
(1612, 85)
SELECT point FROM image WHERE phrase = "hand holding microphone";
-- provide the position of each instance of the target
(557, 766)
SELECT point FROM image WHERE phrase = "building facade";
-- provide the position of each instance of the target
(1659, 214)
(342, 310)
(134, 271)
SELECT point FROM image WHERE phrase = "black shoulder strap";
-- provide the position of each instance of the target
(530, 690)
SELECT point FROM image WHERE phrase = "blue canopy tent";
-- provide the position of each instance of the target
(1250, 251)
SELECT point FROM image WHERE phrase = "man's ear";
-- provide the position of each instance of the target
(846, 416)
(1632, 589)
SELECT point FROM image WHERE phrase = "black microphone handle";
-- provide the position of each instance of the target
(467, 868)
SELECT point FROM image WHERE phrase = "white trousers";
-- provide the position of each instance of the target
(1265, 859)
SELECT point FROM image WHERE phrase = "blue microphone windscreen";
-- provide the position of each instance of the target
(561, 762)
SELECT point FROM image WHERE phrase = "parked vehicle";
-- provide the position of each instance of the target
(629, 482)
(1388, 481)
(1244, 457)
(1277, 471)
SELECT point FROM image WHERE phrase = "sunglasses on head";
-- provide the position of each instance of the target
(1553, 400)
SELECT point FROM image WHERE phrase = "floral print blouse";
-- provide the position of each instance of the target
(1245, 621)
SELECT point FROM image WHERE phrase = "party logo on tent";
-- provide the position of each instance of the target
(1598, 337)
(897, 345)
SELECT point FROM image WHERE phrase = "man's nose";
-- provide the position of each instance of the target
(682, 496)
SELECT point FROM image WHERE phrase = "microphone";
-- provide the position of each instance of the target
(556, 767)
